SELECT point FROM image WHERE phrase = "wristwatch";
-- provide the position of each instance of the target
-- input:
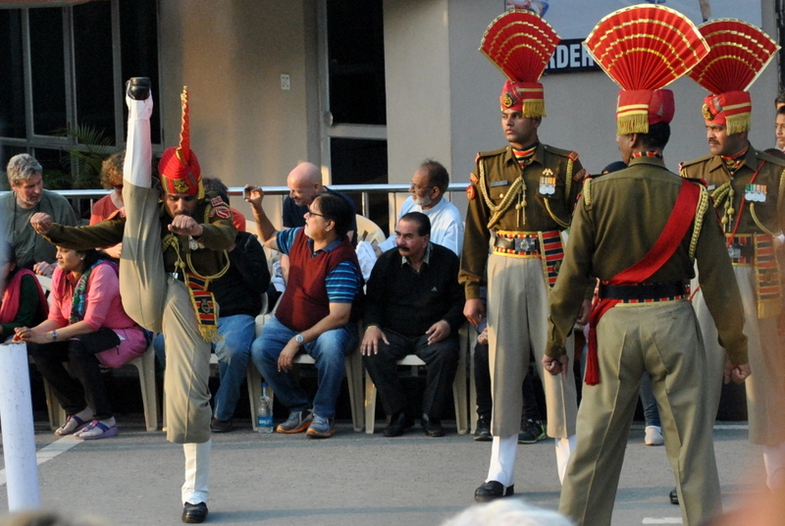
(299, 339)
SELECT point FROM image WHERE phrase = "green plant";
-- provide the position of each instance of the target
(84, 160)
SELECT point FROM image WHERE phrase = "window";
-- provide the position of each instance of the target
(64, 67)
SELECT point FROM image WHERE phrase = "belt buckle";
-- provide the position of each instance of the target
(525, 244)
(734, 250)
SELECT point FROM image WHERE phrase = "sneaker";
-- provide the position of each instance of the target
(320, 427)
(653, 436)
(532, 431)
(483, 431)
(297, 422)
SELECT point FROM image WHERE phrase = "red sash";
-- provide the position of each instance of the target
(675, 229)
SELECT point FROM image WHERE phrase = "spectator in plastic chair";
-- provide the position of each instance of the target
(429, 185)
(413, 305)
(111, 179)
(86, 327)
(23, 300)
(317, 313)
(239, 295)
(26, 198)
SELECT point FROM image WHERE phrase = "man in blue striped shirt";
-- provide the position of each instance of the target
(317, 312)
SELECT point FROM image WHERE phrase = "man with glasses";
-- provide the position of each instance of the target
(316, 314)
(429, 185)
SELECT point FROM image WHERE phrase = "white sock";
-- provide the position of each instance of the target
(564, 448)
(138, 149)
(502, 468)
(197, 468)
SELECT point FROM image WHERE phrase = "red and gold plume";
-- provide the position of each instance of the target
(644, 48)
(520, 44)
(179, 167)
(739, 53)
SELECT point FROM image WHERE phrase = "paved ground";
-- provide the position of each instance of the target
(350, 479)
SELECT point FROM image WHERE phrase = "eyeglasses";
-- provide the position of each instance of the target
(418, 187)
(313, 213)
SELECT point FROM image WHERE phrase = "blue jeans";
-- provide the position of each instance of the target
(329, 351)
(233, 353)
(650, 413)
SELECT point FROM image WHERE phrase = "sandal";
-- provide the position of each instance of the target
(96, 430)
(72, 425)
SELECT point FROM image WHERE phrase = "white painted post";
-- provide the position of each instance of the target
(16, 418)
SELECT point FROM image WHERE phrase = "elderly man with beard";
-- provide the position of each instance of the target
(429, 185)
(413, 305)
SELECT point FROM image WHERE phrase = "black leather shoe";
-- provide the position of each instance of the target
(221, 426)
(194, 513)
(483, 431)
(432, 426)
(492, 490)
(138, 88)
(674, 496)
(398, 425)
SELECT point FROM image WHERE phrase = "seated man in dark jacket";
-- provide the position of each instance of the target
(413, 305)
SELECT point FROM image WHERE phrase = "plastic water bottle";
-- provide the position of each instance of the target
(264, 413)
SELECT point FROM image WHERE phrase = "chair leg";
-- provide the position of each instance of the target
(55, 412)
(354, 378)
(370, 404)
(254, 381)
(145, 366)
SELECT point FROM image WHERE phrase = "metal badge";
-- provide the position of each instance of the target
(734, 251)
(526, 244)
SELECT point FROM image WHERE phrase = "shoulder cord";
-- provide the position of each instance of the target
(518, 186)
(703, 205)
(170, 240)
(567, 187)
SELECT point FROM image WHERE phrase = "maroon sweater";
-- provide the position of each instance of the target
(305, 299)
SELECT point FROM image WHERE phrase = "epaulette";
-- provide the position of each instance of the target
(490, 153)
(570, 154)
(763, 156)
(699, 160)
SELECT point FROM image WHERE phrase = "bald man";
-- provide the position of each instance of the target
(305, 183)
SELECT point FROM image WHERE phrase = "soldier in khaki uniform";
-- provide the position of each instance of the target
(171, 251)
(520, 200)
(748, 190)
(639, 230)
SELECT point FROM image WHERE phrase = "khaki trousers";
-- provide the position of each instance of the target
(766, 385)
(160, 303)
(517, 325)
(662, 339)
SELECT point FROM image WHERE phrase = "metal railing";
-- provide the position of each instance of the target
(369, 196)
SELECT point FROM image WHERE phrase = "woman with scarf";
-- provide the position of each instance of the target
(22, 301)
(86, 327)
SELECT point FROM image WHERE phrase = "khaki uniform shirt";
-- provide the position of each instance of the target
(494, 178)
(771, 176)
(619, 217)
(207, 259)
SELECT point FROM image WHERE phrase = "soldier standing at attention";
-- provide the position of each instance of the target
(640, 231)
(521, 198)
(748, 190)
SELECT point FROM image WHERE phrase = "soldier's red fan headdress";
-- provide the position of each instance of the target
(520, 44)
(179, 167)
(644, 48)
(739, 53)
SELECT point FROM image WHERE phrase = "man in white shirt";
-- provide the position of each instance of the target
(428, 187)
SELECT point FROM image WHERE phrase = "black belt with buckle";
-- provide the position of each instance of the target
(518, 244)
(651, 291)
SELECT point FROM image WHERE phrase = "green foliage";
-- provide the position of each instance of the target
(84, 159)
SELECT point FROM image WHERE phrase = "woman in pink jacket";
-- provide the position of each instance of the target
(86, 327)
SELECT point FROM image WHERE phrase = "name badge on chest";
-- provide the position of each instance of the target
(755, 193)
